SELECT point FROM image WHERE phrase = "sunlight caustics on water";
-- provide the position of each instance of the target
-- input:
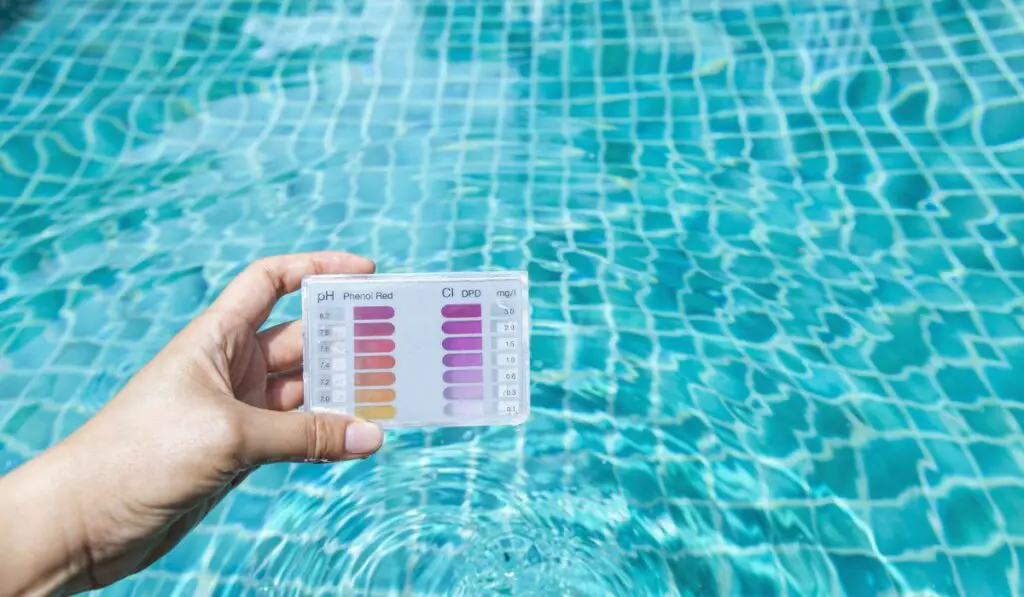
(774, 248)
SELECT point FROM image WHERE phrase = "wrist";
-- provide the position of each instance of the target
(44, 551)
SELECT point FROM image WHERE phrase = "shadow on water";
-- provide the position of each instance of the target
(13, 11)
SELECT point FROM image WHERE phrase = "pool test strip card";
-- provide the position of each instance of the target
(418, 350)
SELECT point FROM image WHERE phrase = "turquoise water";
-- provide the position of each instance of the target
(774, 247)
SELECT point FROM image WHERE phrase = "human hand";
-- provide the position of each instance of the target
(188, 428)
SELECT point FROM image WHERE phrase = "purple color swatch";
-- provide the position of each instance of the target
(459, 342)
(469, 359)
(461, 311)
(464, 376)
(464, 393)
(462, 327)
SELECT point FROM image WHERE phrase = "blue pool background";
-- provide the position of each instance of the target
(774, 247)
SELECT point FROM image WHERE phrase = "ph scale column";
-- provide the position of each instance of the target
(463, 344)
(332, 357)
(374, 362)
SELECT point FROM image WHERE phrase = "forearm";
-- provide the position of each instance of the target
(42, 547)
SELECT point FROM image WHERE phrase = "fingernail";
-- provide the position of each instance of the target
(362, 437)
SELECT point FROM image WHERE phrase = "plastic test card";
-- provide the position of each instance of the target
(417, 350)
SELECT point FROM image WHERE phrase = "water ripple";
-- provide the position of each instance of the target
(464, 526)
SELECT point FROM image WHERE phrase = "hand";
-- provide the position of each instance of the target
(183, 432)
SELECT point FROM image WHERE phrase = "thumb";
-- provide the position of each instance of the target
(273, 436)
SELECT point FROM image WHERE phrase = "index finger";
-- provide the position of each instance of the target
(255, 291)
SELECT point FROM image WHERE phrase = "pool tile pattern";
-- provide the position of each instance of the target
(774, 250)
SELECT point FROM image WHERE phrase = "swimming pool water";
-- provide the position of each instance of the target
(774, 247)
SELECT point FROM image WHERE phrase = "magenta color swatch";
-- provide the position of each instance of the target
(459, 311)
(382, 312)
(363, 330)
(462, 327)
(462, 343)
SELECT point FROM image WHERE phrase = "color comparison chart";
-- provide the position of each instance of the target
(418, 350)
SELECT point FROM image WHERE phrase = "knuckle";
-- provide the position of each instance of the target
(213, 324)
(216, 324)
(265, 268)
(260, 263)
(321, 439)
